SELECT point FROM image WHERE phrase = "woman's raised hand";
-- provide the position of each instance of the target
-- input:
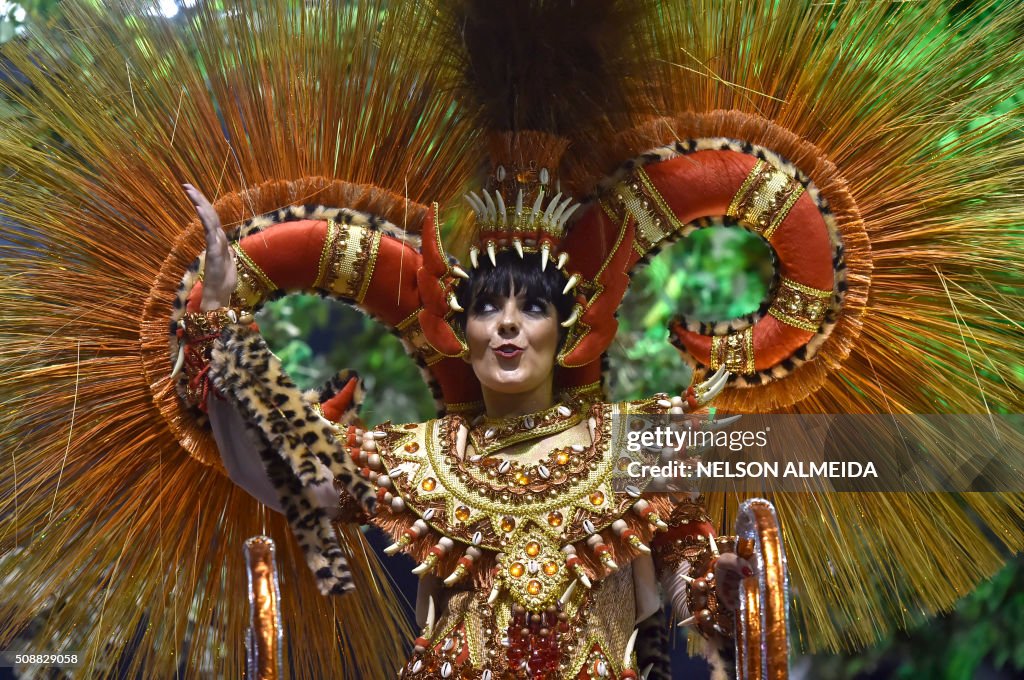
(219, 271)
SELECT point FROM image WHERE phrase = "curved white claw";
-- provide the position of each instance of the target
(421, 568)
(562, 259)
(179, 363)
(459, 271)
(568, 593)
(573, 318)
(491, 255)
(452, 578)
(713, 544)
(492, 597)
(454, 304)
(474, 257)
(492, 210)
(393, 548)
(475, 204)
(545, 253)
(627, 657)
(687, 622)
(647, 671)
(571, 283)
(501, 207)
(536, 203)
(561, 209)
(549, 213)
(431, 614)
(518, 245)
(519, 203)
(716, 387)
(461, 438)
(567, 214)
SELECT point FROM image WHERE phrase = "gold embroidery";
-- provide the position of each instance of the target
(655, 220)
(734, 351)
(363, 273)
(765, 199)
(410, 330)
(799, 305)
(459, 484)
(253, 285)
(334, 244)
(347, 261)
(494, 435)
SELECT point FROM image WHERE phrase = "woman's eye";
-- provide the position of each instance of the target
(484, 307)
(535, 307)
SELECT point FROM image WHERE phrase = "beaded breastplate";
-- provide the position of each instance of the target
(527, 505)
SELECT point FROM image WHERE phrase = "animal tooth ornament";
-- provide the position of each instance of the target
(879, 155)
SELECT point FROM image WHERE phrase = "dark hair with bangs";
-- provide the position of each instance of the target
(522, 272)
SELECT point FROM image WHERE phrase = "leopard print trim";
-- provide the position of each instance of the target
(299, 446)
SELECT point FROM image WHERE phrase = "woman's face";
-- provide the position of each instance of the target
(512, 342)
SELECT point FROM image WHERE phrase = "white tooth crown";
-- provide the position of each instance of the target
(523, 228)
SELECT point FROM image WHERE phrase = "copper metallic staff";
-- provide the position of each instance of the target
(266, 635)
(762, 642)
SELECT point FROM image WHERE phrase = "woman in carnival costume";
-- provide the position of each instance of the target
(325, 137)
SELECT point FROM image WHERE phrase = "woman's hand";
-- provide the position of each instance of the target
(730, 570)
(219, 271)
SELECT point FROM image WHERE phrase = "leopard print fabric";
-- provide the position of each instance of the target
(299, 447)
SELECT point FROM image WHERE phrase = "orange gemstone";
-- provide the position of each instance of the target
(562, 457)
(551, 568)
(508, 524)
(522, 479)
(533, 548)
(517, 569)
(462, 513)
(555, 518)
(412, 447)
(533, 587)
(597, 498)
(429, 484)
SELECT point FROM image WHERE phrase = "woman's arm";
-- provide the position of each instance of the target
(238, 451)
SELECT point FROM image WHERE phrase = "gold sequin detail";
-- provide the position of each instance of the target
(765, 199)
(734, 351)
(655, 220)
(252, 286)
(799, 305)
